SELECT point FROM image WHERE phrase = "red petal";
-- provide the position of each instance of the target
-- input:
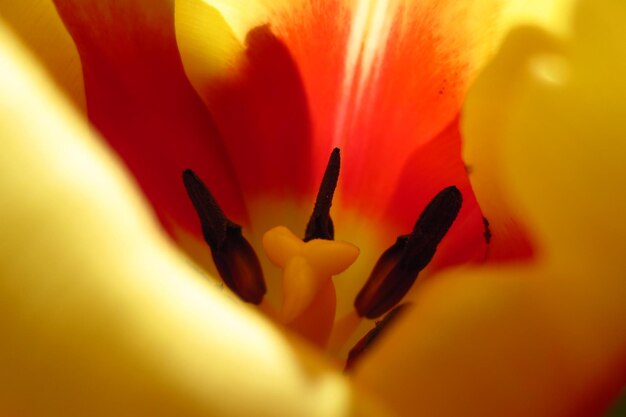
(262, 111)
(429, 169)
(400, 140)
(141, 101)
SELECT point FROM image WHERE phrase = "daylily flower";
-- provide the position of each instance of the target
(103, 315)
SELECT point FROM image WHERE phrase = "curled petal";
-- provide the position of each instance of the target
(101, 316)
(140, 99)
(250, 83)
(548, 338)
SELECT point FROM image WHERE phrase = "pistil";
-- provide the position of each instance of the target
(309, 263)
(308, 292)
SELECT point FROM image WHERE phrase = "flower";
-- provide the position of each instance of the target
(114, 321)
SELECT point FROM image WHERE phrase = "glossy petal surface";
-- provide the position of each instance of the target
(546, 338)
(101, 316)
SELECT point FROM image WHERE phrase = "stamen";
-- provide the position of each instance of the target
(366, 342)
(233, 256)
(320, 224)
(487, 233)
(398, 267)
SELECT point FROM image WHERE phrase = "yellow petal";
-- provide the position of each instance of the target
(547, 338)
(38, 25)
(243, 15)
(207, 43)
(550, 114)
(211, 34)
(100, 315)
(491, 21)
(213, 27)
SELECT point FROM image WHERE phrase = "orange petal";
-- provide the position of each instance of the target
(385, 81)
(382, 79)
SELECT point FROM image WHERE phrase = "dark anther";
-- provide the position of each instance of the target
(487, 234)
(320, 224)
(233, 256)
(363, 345)
(398, 267)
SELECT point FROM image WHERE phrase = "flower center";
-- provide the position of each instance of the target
(308, 264)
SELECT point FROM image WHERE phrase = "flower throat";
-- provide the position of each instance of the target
(309, 263)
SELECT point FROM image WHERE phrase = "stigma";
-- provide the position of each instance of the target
(307, 271)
